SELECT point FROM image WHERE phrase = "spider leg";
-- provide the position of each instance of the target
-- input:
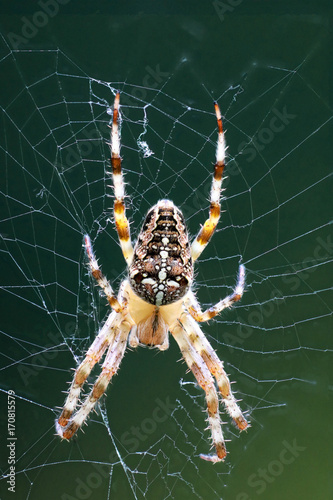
(204, 378)
(215, 366)
(194, 307)
(207, 230)
(99, 276)
(94, 354)
(110, 366)
(121, 221)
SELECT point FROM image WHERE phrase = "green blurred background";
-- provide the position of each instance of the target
(269, 65)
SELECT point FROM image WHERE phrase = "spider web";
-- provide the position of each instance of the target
(150, 429)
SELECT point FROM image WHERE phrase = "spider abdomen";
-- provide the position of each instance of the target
(161, 271)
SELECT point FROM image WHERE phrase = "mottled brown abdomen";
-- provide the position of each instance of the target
(162, 269)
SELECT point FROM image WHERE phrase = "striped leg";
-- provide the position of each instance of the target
(94, 354)
(215, 366)
(194, 307)
(110, 366)
(122, 224)
(207, 230)
(99, 277)
(206, 381)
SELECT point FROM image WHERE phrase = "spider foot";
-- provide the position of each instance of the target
(241, 423)
(220, 455)
(212, 458)
(66, 432)
(59, 428)
(64, 418)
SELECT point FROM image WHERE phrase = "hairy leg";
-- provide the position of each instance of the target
(215, 366)
(99, 276)
(95, 352)
(207, 230)
(194, 307)
(206, 381)
(110, 366)
(122, 224)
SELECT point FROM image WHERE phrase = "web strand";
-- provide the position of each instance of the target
(55, 189)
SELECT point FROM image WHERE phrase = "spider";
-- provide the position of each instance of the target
(155, 299)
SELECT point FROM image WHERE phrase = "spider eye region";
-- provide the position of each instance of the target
(161, 271)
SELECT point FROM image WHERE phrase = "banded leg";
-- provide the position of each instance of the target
(94, 354)
(110, 366)
(194, 307)
(207, 230)
(122, 224)
(100, 278)
(206, 381)
(215, 366)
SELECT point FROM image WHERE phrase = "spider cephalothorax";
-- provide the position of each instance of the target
(162, 269)
(156, 300)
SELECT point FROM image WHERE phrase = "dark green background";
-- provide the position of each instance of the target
(259, 59)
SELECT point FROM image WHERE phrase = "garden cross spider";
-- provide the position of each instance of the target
(156, 299)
